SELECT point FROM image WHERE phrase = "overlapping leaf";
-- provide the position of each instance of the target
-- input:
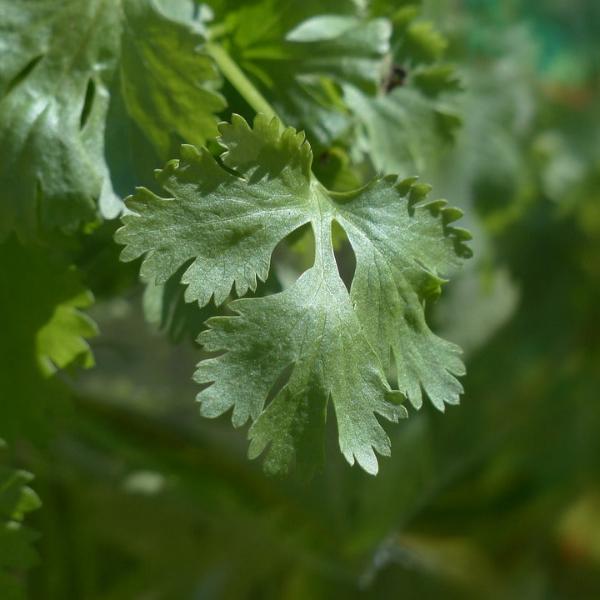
(301, 56)
(58, 61)
(290, 354)
(403, 130)
(169, 83)
(410, 121)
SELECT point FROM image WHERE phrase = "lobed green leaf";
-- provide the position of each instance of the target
(286, 357)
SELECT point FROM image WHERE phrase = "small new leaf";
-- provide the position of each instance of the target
(290, 356)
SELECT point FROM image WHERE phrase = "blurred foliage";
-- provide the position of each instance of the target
(16, 539)
(499, 498)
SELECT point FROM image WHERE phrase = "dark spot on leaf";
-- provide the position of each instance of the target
(23, 74)
(88, 102)
(324, 157)
(396, 78)
(280, 382)
(344, 254)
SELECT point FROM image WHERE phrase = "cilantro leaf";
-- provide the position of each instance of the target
(227, 217)
(404, 130)
(169, 83)
(58, 62)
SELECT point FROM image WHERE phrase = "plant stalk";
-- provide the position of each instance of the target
(238, 80)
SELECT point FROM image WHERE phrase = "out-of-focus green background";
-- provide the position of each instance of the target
(497, 498)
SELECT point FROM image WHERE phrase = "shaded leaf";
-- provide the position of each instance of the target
(57, 66)
(43, 330)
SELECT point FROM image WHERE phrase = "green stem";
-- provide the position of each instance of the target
(238, 80)
(218, 30)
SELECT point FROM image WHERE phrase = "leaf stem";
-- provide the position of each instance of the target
(238, 80)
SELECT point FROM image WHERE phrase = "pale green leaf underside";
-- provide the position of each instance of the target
(404, 130)
(335, 345)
